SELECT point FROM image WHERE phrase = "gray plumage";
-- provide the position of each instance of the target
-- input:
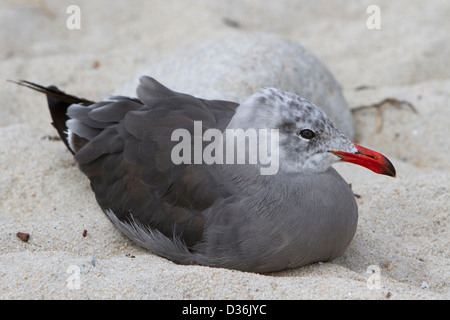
(217, 215)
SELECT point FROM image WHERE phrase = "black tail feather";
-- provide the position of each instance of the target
(58, 102)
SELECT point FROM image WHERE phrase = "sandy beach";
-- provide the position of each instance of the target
(402, 246)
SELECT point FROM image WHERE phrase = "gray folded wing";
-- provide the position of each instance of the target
(127, 158)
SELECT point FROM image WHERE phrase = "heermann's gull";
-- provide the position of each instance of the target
(220, 215)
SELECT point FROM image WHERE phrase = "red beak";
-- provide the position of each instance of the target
(370, 159)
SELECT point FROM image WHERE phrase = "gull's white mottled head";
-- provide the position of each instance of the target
(306, 133)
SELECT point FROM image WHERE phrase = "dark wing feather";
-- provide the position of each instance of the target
(129, 162)
(58, 103)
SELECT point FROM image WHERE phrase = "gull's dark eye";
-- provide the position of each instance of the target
(307, 134)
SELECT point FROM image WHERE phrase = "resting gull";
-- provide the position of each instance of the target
(219, 214)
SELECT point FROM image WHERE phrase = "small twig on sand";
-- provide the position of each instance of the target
(390, 101)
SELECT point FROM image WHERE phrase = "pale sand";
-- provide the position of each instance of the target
(403, 226)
